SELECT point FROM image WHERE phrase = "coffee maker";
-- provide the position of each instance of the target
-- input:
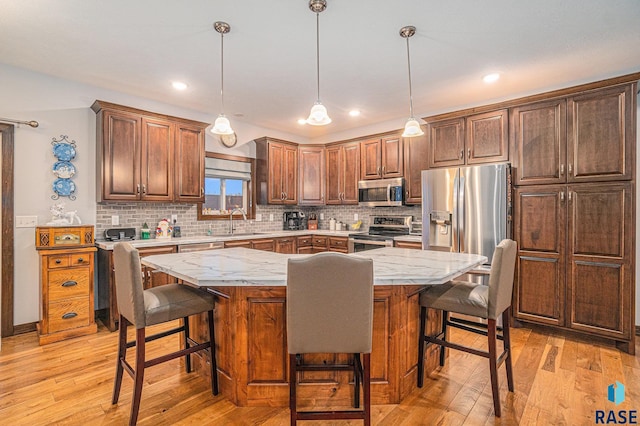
(294, 221)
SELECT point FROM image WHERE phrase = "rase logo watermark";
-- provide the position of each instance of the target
(615, 394)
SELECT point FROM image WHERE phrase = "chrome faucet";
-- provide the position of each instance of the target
(244, 216)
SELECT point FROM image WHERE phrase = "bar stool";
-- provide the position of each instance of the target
(477, 300)
(330, 310)
(143, 308)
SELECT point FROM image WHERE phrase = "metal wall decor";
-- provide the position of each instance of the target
(64, 170)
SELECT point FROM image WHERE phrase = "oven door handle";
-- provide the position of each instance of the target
(372, 242)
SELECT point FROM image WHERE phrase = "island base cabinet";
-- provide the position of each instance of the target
(252, 356)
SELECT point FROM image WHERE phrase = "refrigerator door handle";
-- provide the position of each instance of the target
(455, 216)
(461, 216)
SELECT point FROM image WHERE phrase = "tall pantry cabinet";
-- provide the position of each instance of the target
(574, 160)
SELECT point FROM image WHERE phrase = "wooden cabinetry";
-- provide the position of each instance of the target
(305, 244)
(66, 282)
(474, 139)
(238, 243)
(286, 245)
(416, 159)
(143, 156)
(339, 244)
(311, 175)
(264, 244)
(382, 158)
(277, 171)
(584, 138)
(575, 262)
(152, 277)
(343, 172)
(408, 244)
(320, 243)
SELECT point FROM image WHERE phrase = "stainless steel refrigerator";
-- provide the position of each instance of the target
(466, 209)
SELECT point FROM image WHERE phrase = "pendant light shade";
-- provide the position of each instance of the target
(222, 125)
(412, 126)
(318, 115)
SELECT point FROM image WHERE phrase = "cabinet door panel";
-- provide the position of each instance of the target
(276, 173)
(540, 223)
(392, 157)
(312, 176)
(487, 136)
(370, 158)
(446, 141)
(267, 347)
(189, 164)
(157, 160)
(416, 160)
(121, 156)
(599, 135)
(334, 165)
(350, 172)
(290, 174)
(539, 136)
(540, 291)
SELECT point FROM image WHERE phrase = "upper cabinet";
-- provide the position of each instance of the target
(142, 156)
(277, 171)
(583, 138)
(311, 175)
(474, 139)
(343, 171)
(416, 159)
(381, 158)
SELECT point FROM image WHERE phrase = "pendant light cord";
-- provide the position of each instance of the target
(222, 71)
(318, 51)
(409, 68)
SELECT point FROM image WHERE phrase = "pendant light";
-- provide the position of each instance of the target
(318, 115)
(222, 125)
(412, 127)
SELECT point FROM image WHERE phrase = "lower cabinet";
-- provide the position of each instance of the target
(339, 244)
(408, 244)
(320, 243)
(286, 245)
(305, 245)
(151, 277)
(66, 278)
(575, 258)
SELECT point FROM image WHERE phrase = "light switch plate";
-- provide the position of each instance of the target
(26, 221)
(115, 220)
(174, 218)
(355, 216)
(270, 217)
(258, 217)
(321, 216)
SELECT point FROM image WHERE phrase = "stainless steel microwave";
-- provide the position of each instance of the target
(381, 192)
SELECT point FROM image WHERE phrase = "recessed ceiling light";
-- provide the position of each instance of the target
(491, 78)
(354, 113)
(178, 85)
(302, 121)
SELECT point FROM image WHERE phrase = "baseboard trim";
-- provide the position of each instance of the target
(24, 328)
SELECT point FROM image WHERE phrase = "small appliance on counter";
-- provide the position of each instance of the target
(294, 221)
(120, 234)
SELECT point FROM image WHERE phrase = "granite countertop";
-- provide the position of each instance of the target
(246, 267)
(108, 245)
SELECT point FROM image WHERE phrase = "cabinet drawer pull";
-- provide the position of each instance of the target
(378, 172)
(202, 192)
(144, 188)
(570, 168)
(461, 156)
(137, 188)
(562, 196)
(69, 283)
(384, 169)
(80, 260)
(468, 153)
(69, 315)
(569, 194)
(561, 169)
(58, 261)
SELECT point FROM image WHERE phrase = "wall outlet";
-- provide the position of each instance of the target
(321, 216)
(270, 217)
(26, 221)
(258, 217)
(174, 218)
(115, 220)
(355, 216)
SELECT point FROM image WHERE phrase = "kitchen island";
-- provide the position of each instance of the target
(250, 313)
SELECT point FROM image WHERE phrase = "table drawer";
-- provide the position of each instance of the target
(58, 261)
(68, 314)
(66, 283)
(79, 259)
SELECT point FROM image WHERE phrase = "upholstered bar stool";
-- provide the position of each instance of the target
(142, 308)
(477, 300)
(330, 310)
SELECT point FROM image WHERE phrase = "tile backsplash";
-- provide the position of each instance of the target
(133, 215)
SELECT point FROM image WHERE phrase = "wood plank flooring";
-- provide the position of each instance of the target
(559, 380)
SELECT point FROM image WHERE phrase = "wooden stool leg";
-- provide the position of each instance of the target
(423, 320)
(212, 353)
(366, 384)
(292, 389)
(506, 334)
(493, 355)
(187, 357)
(445, 318)
(356, 380)
(122, 352)
(139, 376)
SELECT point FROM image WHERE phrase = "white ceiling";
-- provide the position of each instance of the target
(139, 46)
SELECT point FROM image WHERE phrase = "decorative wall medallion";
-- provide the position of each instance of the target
(64, 151)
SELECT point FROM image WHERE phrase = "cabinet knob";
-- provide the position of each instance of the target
(80, 260)
(58, 261)
(69, 315)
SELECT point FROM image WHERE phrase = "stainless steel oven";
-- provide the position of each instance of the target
(362, 243)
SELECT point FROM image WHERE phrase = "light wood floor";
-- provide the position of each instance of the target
(558, 380)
